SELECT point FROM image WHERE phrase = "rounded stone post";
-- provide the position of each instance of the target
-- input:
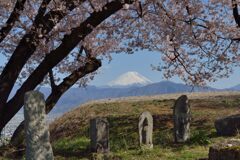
(38, 146)
(145, 127)
(99, 135)
(182, 118)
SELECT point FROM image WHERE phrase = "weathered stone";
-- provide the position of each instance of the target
(99, 135)
(228, 150)
(38, 146)
(182, 118)
(145, 127)
(228, 126)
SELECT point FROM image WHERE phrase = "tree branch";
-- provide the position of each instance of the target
(19, 6)
(42, 9)
(235, 12)
(51, 79)
(24, 50)
(140, 12)
(92, 65)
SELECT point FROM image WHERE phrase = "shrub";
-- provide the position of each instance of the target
(200, 137)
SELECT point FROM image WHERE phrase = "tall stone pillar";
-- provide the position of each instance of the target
(182, 117)
(38, 146)
(99, 135)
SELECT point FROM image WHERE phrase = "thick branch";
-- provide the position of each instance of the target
(19, 6)
(235, 12)
(26, 48)
(69, 42)
(42, 9)
(140, 12)
(91, 66)
(51, 79)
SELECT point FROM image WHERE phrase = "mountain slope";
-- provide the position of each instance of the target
(77, 96)
(235, 88)
(168, 87)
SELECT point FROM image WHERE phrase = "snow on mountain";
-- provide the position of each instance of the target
(130, 78)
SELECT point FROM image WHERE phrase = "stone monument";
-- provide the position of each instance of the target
(145, 127)
(182, 118)
(99, 135)
(38, 146)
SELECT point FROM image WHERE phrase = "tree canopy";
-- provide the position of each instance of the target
(41, 39)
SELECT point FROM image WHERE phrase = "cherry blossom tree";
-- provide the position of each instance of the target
(44, 40)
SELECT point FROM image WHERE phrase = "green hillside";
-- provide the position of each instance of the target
(70, 133)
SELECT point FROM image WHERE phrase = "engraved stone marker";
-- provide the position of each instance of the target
(145, 126)
(99, 135)
(38, 146)
(182, 117)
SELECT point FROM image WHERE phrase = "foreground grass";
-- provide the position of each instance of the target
(197, 147)
(185, 153)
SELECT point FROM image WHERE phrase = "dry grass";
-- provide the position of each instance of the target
(193, 95)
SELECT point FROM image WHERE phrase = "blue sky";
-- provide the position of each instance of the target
(122, 63)
(141, 62)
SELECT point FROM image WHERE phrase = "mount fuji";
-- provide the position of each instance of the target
(130, 79)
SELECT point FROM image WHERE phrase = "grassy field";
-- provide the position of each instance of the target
(70, 133)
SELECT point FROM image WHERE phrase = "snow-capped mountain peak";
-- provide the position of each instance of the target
(130, 78)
